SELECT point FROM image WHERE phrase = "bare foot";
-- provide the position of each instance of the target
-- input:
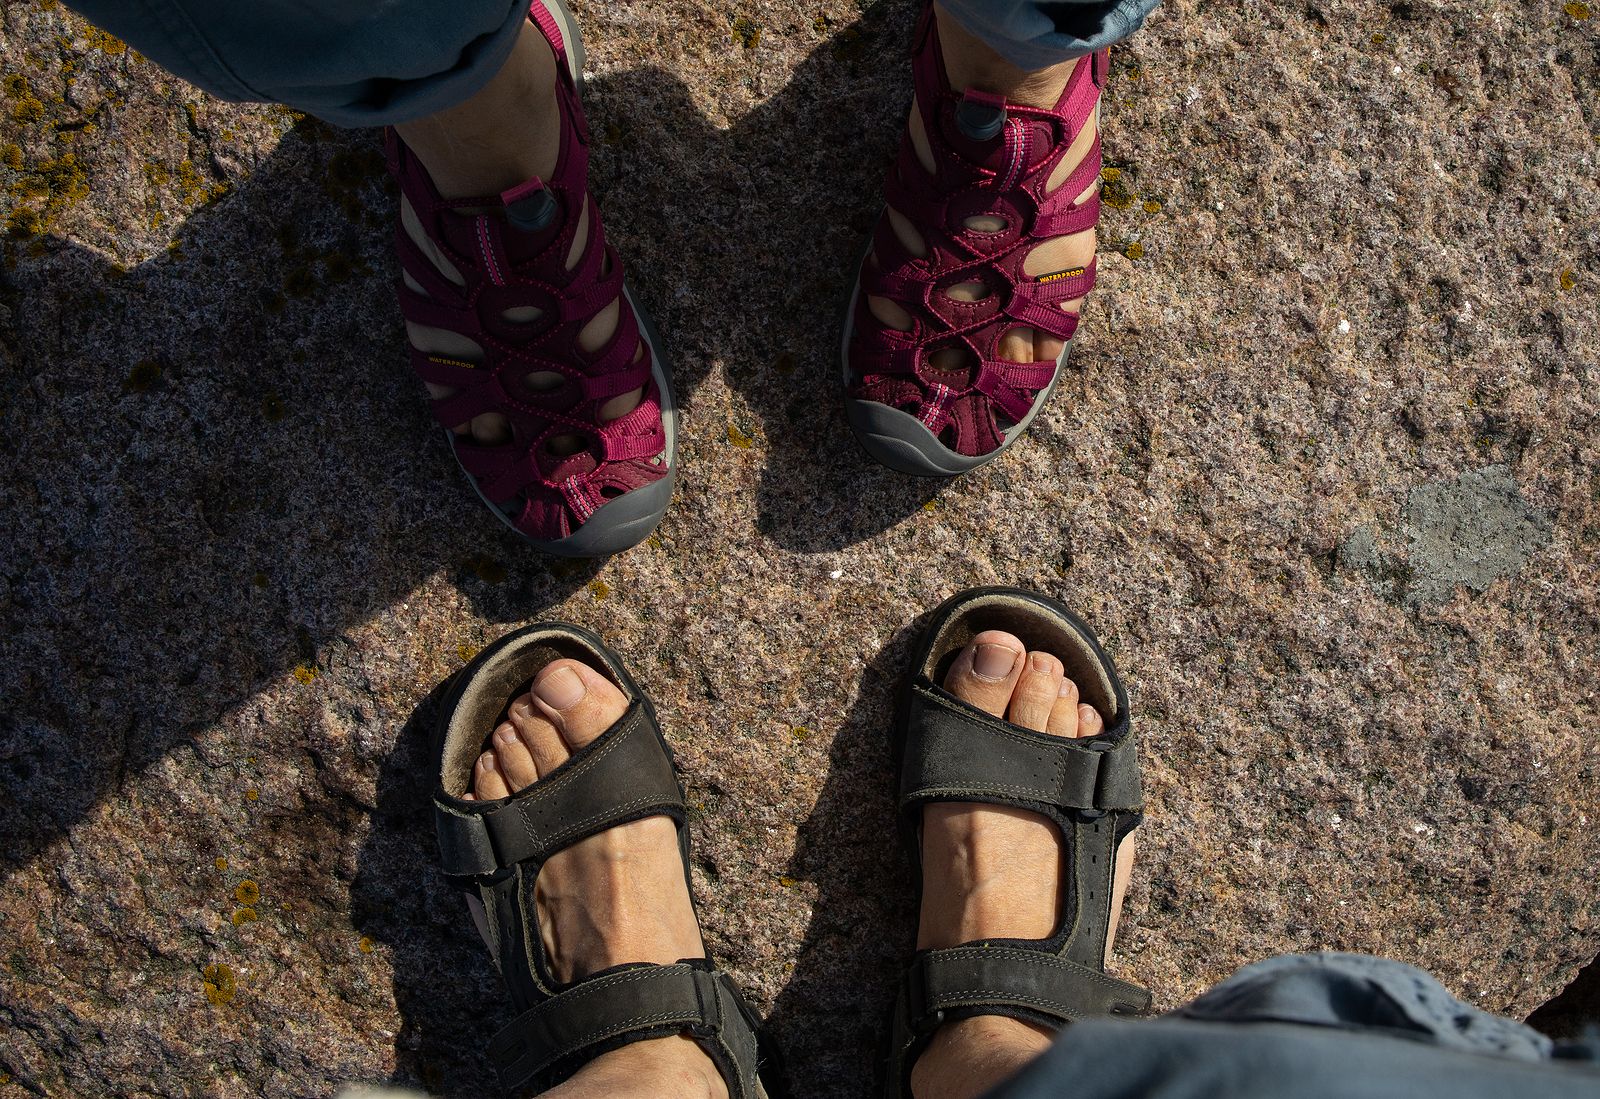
(992, 871)
(619, 896)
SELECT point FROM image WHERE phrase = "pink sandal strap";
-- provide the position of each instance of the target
(511, 251)
(993, 160)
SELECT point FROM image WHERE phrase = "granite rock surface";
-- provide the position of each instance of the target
(1323, 475)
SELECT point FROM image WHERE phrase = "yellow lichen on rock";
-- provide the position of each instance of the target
(25, 106)
(247, 892)
(219, 984)
(746, 32)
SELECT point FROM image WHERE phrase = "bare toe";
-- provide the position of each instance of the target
(578, 700)
(1038, 688)
(538, 734)
(512, 758)
(1064, 714)
(487, 781)
(985, 673)
(1090, 722)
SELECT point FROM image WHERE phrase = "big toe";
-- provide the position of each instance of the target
(985, 672)
(577, 700)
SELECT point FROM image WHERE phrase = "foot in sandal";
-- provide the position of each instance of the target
(1000, 874)
(545, 373)
(566, 821)
(971, 289)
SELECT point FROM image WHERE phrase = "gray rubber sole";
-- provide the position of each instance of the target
(628, 520)
(898, 439)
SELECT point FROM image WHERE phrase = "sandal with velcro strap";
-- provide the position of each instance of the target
(494, 850)
(949, 751)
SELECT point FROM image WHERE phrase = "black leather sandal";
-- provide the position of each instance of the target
(949, 751)
(493, 851)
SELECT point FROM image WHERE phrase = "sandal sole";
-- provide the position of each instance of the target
(901, 441)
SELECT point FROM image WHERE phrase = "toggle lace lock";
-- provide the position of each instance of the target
(981, 116)
(532, 213)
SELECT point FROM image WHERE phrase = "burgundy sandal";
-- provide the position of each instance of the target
(610, 494)
(992, 160)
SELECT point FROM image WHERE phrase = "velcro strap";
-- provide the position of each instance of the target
(1082, 93)
(988, 975)
(1014, 400)
(623, 775)
(955, 752)
(642, 1001)
(1024, 309)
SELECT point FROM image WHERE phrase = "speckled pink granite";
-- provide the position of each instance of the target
(1323, 475)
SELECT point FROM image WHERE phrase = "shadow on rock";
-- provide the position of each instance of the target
(745, 244)
(446, 988)
(218, 465)
(837, 1002)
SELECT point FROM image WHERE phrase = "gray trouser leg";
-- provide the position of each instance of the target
(1033, 34)
(1315, 1026)
(350, 62)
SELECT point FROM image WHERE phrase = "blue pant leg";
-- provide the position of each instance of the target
(350, 62)
(1321, 1026)
(1033, 34)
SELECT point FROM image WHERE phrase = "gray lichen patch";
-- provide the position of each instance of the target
(1469, 532)
(1465, 532)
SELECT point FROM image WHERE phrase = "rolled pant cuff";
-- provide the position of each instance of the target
(1035, 35)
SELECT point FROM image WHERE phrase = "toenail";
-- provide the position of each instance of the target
(1041, 663)
(1068, 689)
(507, 736)
(561, 689)
(993, 661)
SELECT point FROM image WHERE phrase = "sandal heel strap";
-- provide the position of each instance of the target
(618, 1007)
(984, 978)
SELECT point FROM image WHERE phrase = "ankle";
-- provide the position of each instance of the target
(970, 62)
(968, 1057)
(662, 1068)
(507, 133)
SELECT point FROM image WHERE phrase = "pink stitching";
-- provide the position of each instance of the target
(569, 489)
(941, 393)
(1016, 149)
(488, 251)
